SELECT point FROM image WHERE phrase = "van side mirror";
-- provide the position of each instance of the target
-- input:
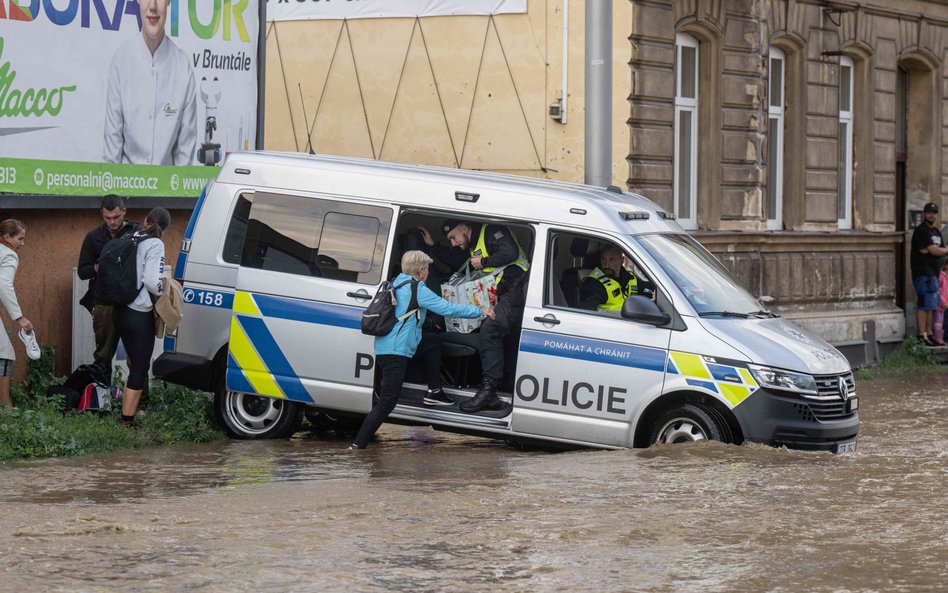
(640, 308)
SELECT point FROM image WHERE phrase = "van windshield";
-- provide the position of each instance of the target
(704, 281)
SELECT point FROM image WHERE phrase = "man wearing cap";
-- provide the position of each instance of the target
(927, 248)
(491, 247)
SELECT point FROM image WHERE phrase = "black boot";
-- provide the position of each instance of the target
(485, 399)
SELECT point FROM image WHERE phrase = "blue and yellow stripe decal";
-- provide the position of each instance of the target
(255, 363)
(639, 357)
(734, 383)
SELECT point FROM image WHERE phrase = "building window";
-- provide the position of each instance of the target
(686, 130)
(845, 200)
(775, 140)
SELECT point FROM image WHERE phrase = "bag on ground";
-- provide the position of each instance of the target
(379, 317)
(465, 288)
(86, 389)
(116, 281)
(68, 398)
(96, 398)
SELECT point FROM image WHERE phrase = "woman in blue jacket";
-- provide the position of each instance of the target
(393, 351)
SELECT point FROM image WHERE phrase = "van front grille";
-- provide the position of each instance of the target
(829, 403)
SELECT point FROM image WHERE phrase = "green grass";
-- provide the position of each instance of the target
(910, 358)
(38, 429)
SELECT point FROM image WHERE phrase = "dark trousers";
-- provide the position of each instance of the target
(429, 353)
(507, 316)
(137, 332)
(392, 368)
(106, 336)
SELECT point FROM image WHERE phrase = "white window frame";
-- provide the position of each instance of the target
(776, 112)
(845, 198)
(689, 218)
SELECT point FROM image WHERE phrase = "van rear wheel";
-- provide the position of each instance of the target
(246, 416)
(686, 423)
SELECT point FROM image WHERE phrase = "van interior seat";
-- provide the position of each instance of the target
(584, 262)
(462, 348)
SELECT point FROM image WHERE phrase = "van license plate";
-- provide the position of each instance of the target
(846, 447)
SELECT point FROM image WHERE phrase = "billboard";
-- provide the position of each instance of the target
(124, 96)
(284, 10)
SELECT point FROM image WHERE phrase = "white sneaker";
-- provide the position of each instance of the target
(32, 348)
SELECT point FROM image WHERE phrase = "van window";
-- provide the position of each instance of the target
(237, 230)
(349, 240)
(581, 267)
(704, 280)
(316, 237)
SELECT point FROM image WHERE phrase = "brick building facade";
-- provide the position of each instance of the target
(813, 138)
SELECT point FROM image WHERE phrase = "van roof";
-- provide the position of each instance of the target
(498, 195)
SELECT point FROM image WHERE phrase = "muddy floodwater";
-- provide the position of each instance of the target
(423, 511)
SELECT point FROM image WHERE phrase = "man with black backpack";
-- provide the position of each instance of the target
(114, 226)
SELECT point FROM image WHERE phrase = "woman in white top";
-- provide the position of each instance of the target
(136, 321)
(12, 237)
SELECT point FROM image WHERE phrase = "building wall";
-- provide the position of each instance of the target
(44, 278)
(847, 285)
(458, 91)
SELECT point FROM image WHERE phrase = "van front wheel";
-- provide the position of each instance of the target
(686, 423)
(246, 416)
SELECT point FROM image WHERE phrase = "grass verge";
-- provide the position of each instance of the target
(36, 428)
(910, 358)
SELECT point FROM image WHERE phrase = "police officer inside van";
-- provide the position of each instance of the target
(606, 288)
(491, 247)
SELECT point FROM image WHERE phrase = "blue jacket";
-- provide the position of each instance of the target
(404, 337)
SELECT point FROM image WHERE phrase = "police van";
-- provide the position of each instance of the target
(284, 251)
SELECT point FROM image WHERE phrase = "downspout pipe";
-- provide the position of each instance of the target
(261, 71)
(598, 93)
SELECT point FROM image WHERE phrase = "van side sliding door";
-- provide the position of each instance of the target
(309, 267)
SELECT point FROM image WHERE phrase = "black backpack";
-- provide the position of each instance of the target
(72, 394)
(116, 281)
(379, 317)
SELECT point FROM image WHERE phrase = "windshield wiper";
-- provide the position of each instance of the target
(756, 314)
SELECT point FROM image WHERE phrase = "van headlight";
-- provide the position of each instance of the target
(783, 380)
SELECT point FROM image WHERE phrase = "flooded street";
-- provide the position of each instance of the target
(425, 511)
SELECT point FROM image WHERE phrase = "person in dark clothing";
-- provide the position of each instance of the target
(113, 226)
(606, 288)
(490, 247)
(927, 249)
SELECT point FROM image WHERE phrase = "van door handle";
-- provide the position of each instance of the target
(548, 318)
(360, 294)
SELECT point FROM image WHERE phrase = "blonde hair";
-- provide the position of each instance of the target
(413, 262)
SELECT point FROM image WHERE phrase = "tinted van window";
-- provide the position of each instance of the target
(316, 237)
(237, 230)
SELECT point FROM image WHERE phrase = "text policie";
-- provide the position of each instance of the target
(235, 61)
(582, 395)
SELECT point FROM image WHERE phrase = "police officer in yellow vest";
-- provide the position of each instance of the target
(606, 288)
(490, 247)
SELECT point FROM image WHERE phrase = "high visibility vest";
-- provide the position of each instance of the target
(481, 249)
(615, 292)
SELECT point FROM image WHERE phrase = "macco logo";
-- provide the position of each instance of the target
(26, 102)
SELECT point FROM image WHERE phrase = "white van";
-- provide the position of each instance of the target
(284, 251)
